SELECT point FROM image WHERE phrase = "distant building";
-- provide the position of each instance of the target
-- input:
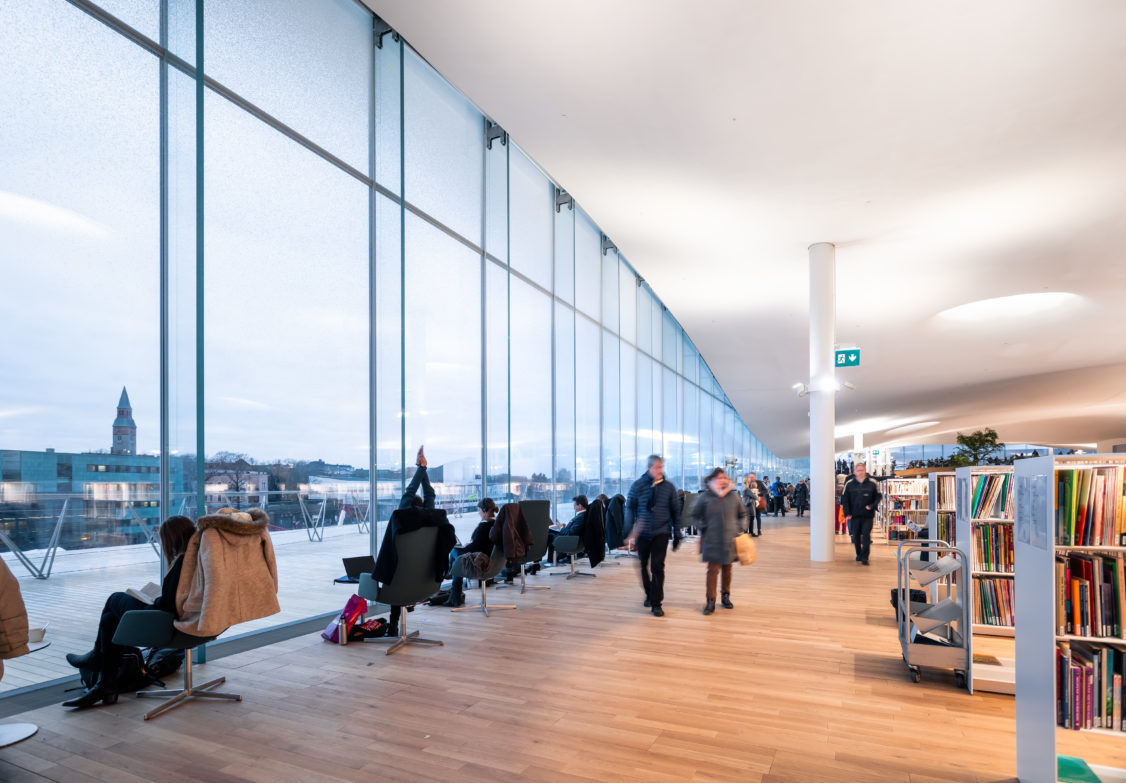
(124, 428)
(103, 498)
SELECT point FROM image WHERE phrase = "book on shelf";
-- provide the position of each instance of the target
(993, 548)
(1089, 681)
(944, 490)
(945, 522)
(1091, 595)
(994, 602)
(992, 496)
(1091, 506)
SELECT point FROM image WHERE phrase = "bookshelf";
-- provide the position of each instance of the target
(903, 506)
(984, 529)
(1048, 508)
(940, 513)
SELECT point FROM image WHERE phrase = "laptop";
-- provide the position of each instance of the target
(353, 567)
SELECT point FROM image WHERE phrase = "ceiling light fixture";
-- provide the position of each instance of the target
(1008, 308)
(919, 425)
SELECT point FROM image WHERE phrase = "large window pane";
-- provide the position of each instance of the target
(388, 357)
(286, 346)
(588, 404)
(531, 390)
(692, 457)
(588, 266)
(612, 407)
(496, 382)
(443, 361)
(645, 428)
(627, 297)
(388, 114)
(628, 421)
(531, 207)
(644, 306)
(306, 62)
(610, 291)
(670, 417)
(445, 141)
(564, 410)
(565, 254)
(80, 253)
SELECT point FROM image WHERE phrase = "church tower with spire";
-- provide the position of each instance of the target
(124, 428)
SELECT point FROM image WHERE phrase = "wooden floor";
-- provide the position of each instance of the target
(802, 682)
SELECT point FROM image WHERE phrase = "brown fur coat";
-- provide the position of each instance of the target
(13, 616)
(229, 573)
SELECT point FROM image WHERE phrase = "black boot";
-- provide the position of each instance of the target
(456, 598)
(726, 601)
(86, 661)
(104, 691)
(709, 607)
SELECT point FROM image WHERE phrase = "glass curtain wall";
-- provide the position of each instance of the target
(270, 288)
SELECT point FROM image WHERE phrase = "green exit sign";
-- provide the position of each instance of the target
(848, 358)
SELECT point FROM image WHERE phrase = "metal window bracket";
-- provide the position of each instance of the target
(380, 28)
(607, 245)
(494, 132)
(563, 199)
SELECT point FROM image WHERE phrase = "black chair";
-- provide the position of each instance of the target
(154, 628)
(412, 584)
(573, 546)
(537, 513)
(496, 565)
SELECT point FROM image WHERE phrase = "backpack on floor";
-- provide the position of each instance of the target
(131, 675)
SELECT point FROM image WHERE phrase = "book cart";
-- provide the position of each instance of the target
(902, 511)
(1071, 616)
(934, 632)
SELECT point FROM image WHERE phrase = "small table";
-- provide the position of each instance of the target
(11, 733)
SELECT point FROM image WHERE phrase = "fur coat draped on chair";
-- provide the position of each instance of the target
(229, 574)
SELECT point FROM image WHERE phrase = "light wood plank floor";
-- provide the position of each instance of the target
(802, 682)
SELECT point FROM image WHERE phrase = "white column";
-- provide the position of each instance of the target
(822, 398)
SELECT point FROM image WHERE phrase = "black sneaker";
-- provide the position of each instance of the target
(647, 603)
(657, 611)
(863, 562)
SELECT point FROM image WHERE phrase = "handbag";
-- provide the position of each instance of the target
(761, 504)
(353, 610)
(745, 549)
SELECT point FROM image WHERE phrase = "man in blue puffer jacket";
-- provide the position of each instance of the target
(654, 508)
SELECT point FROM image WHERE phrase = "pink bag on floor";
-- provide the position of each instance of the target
(353, 611)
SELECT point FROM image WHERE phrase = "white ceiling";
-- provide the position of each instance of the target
(953, 151)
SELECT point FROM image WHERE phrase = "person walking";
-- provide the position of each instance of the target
(755, 491)
(779, 491)
(859, 499)
(721, 516)
(801, 497)
(654, 508)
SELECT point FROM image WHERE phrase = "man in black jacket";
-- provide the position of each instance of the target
(859, 499)
(654, 504)
(572, 528)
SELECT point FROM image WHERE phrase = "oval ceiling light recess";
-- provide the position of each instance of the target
(1011, 308)
(919, 425)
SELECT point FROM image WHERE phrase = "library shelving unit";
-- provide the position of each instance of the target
(940, 511)
(1070, 512)
(984, 530)
(903, 508)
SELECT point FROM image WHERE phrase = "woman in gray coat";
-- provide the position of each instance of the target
(721, 516)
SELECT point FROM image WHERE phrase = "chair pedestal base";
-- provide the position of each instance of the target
(11, 733)
(524, 586)
(403, 639)
(484, 605)
(573, 573)
(178, 696)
